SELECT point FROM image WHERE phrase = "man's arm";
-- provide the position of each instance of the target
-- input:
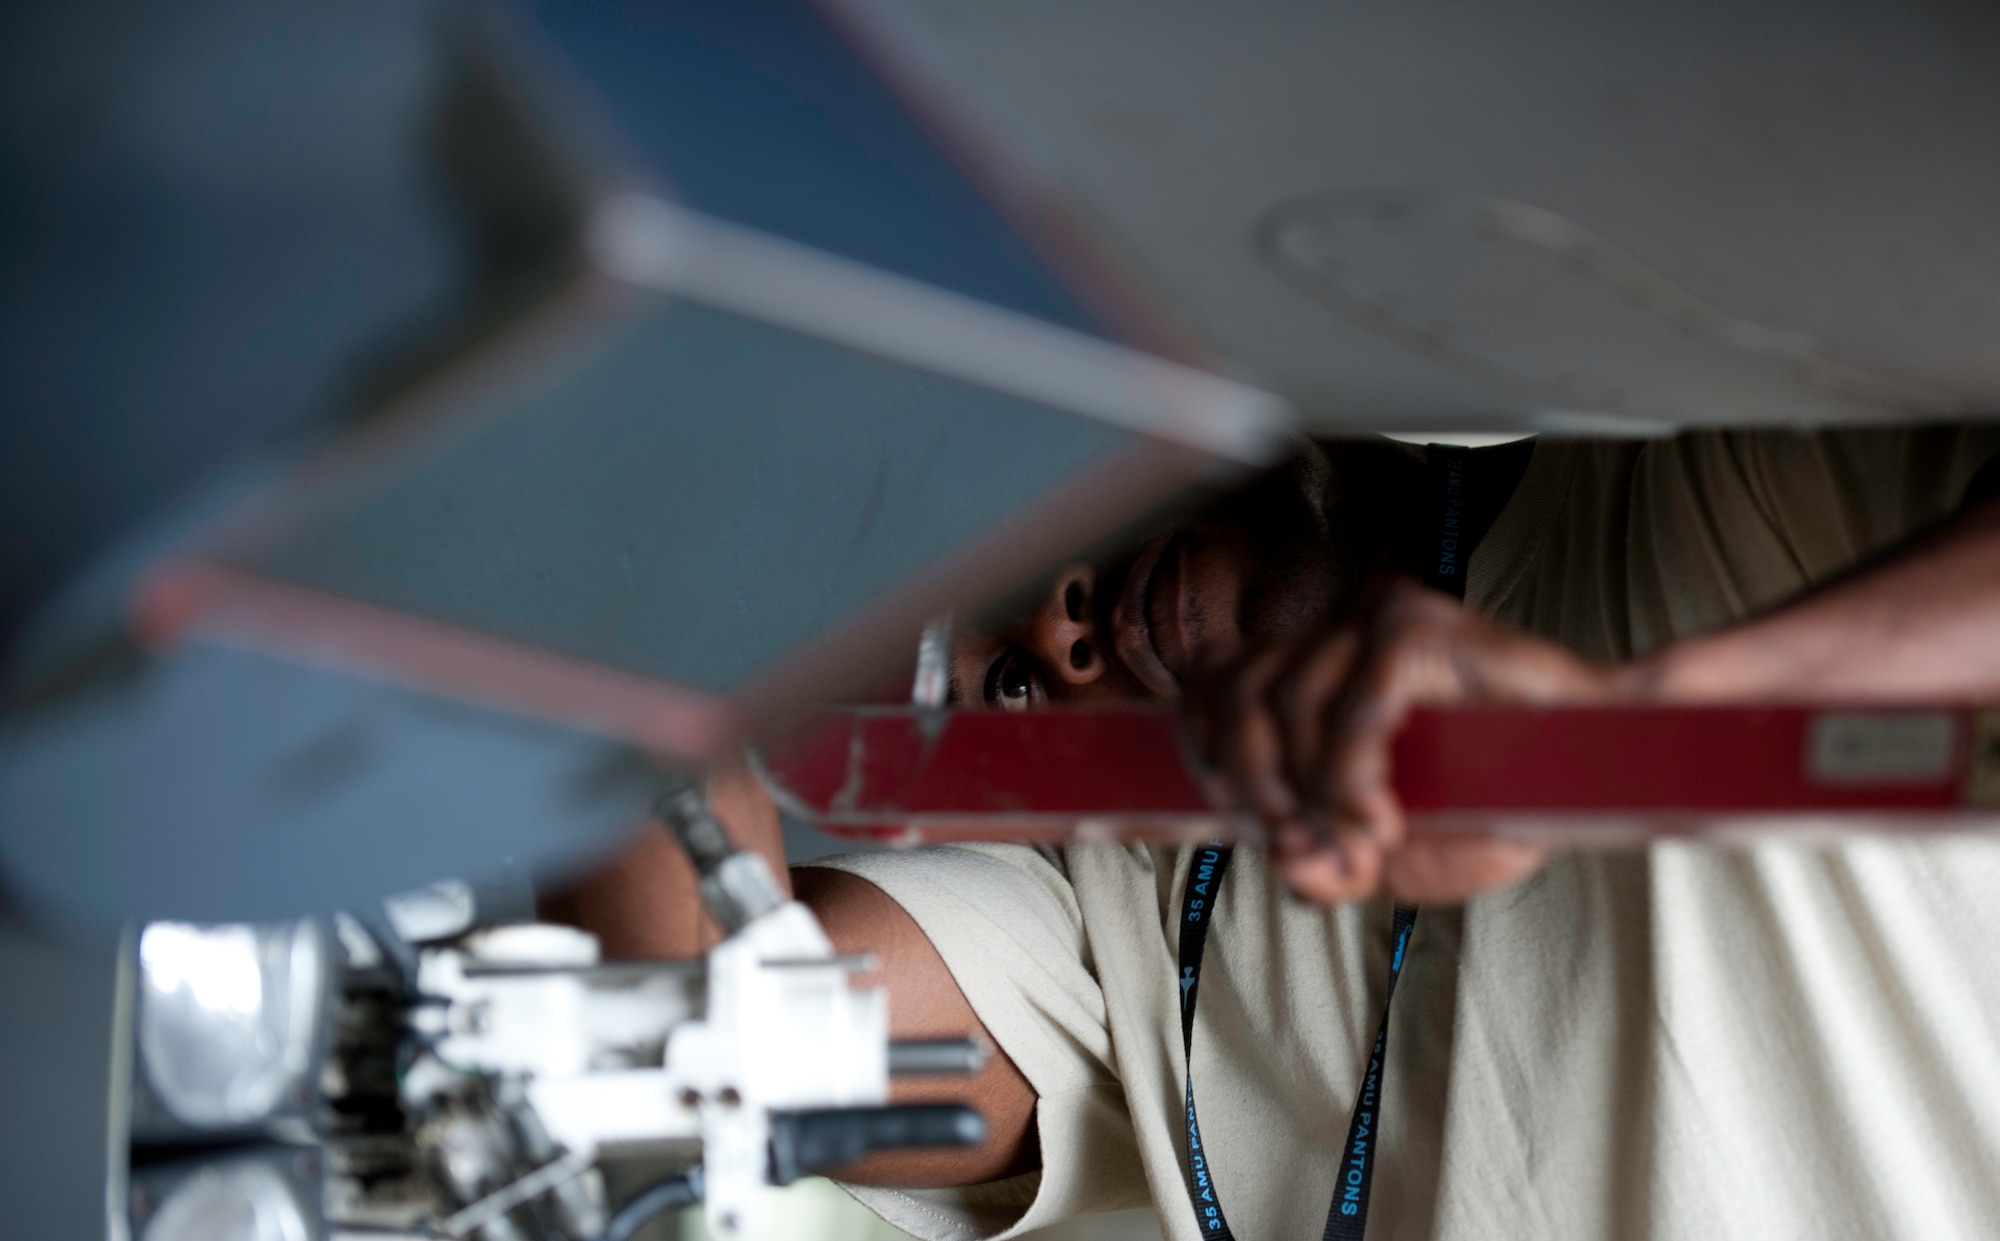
(1920, 624)
(644, 904)
(1302, 734)
(925, 1002)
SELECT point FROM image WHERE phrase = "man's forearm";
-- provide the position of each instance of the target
(1922, 624)
(644, 902)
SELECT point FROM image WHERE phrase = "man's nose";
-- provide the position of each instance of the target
(1063, 635)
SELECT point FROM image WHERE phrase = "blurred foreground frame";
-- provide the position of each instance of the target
(657, 484)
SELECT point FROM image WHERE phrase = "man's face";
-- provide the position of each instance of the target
(1257, 567)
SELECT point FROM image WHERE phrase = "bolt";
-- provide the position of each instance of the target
(475, 1018)
(690, 1098)
(730, 1097)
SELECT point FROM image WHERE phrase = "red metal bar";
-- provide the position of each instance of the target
(1093, 773)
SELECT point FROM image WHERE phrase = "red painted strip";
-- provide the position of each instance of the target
(878, 763)
(970, 774)
(218, 603)
(1086, 762)
(1618, 759)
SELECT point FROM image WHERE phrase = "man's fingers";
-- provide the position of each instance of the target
(1208, 710)
(1355, 784)
(1242, 739)
(1328, 870)
(1256, 754)
(1259, 722)
(1302, 734)
(1304, 699)
(1449, 870)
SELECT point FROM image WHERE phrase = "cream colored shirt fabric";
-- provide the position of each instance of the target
(1780, 1041)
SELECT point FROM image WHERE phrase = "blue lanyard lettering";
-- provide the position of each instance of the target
(1347, 1217)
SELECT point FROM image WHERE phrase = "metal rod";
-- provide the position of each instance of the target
(513, 1194)
(938, 1057)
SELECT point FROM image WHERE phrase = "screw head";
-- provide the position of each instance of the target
(730, 1097)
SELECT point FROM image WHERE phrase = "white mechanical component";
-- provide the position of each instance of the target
(612, 1055)
(244, 1201)
(439, 911)
(226, 1017)
(785, 1029)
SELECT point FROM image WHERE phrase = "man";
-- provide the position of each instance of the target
(1786, 1039)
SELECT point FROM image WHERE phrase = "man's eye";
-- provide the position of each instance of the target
(1010, 683)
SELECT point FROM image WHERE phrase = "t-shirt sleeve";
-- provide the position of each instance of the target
(1876, 486)
(1007, 923)
(1724, 524)
(1984, 488)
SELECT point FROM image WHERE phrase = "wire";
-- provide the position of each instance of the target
(398, 955)
(671, 1194)
(523, 1189)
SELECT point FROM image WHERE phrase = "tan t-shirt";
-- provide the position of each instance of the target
(1779, 1041)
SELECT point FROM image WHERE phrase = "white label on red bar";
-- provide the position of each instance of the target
(1881, 747)
(1982, 777)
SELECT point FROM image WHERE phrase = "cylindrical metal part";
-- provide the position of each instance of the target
(685, 812)
(937, 1057)
(817, 1140)
(736, 886)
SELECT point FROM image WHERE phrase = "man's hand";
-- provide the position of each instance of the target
(1300, 735)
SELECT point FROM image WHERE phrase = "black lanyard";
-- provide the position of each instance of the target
(1347, 1216)
(1469, 487)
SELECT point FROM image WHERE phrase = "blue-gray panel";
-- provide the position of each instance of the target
(55, 1073)
(220, 784)
(214, 215)
(699, 499)
(759, 112)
